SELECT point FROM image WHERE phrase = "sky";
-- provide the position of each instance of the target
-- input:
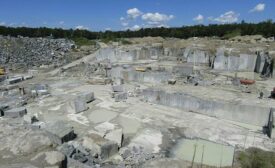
(101, 15)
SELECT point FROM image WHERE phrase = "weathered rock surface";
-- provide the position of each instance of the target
(20, 143)
(50, 158)
(100, 146)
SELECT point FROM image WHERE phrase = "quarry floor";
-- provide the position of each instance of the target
(134, 115)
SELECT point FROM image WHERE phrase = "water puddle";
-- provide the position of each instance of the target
(204, 152)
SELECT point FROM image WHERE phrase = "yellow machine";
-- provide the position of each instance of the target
(2, 71)
(141, 69)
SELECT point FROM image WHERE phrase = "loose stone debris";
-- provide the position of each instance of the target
(155, 103)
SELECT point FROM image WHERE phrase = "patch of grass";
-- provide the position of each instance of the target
(107, 40)
(83, 41)
(256, 158)
(125, 42)
(120, 40)
(231, 34)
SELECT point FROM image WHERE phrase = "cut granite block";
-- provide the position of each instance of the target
(60, 132)
(15, 112)
(76, 106)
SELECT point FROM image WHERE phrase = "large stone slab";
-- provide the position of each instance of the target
(121, 97)
(14, 80)
(15, 112)
(76, 106)
(116, 136)
(118, 88)
(60, 132)
(100, 146)
(87, 96)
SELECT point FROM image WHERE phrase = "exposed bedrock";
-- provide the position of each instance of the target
(133, 75)
(225, 59)
(197, 55)
(259, 62)
(129, 54)
(248, 114)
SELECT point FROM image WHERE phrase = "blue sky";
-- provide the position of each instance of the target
(100, 15)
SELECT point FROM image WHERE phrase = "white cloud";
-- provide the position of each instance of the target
(133, 13)
(80, 27)
(199, 18)
(147, 19)
(156, 18)
(258, 8)
(135, 28)
(163, 25)
(124, 22)
(2, 23)
(228, 17)
(61, 22)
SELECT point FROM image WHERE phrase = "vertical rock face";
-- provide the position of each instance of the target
(26, 52)
(132, 53)
(198, 56)
(260, 62)
(253, 115)
(247, 62)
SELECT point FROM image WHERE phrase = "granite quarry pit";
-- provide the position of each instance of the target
(168, 102)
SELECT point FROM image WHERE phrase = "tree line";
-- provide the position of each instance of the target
(265, 28)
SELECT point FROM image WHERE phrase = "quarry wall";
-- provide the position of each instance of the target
(248, 114)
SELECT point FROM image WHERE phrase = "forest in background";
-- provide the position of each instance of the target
(266, 28)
